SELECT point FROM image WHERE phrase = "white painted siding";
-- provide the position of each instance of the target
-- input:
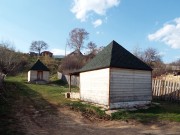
(32, 75)
(46, 75)
(130, 85)
(29, 76)
(94, 86)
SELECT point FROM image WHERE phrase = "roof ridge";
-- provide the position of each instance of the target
(111, 51)
(38, 65)
(115, 55)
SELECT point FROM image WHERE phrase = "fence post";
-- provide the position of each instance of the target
(162, 89)
(166, 90)
(175, 91)
(159, 90)
(178, 93)
(154, 83)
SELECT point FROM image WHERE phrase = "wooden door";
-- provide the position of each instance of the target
(39, 75)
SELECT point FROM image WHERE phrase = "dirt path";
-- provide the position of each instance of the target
(33, 114)
(68, 122)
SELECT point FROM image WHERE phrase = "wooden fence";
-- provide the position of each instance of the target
(166, 90)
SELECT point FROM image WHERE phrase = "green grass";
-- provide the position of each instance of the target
(163, 112)
(20, 95)
(52, 92)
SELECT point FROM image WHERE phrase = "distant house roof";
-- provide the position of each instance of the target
(33, 54)
(114, 55)
(39, 66)
(76, 52)
(46, 52)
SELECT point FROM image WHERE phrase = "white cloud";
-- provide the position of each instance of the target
(82, 8)
(168, 34)
(59, 51)
(162, 53)
(97, 32)
(177, 57)
(97, 23)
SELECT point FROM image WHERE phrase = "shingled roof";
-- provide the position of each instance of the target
(114, 55)
(39, 66)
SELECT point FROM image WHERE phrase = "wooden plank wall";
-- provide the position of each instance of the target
(130, 85)
(166, 90)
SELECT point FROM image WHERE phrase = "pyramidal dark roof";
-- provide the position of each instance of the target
(114, 55)
(39, 66)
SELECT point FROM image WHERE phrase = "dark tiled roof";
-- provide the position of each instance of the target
(47, 52)
(39, 66)
(76, 52)
(114, 55)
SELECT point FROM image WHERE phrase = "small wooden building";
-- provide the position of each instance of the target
(47, 53)
(38, 72)
(116, 78)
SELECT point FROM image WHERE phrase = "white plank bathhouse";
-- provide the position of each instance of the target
(38, 73)
(116, 78)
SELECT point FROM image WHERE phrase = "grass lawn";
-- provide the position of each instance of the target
(20, 94)
(163, 112)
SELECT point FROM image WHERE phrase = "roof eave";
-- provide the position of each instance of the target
(80, 71)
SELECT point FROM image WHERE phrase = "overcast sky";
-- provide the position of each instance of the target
(143, 23)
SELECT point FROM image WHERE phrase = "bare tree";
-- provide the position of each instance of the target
(152, 58)
(151, 55)
(159, 68)
(76, 59)
(92, 47)
(11, 61)
(76, 38)
(38, 46)
(176, 63)
(137, 51)
(71, 63)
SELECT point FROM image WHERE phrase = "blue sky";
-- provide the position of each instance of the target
(142, 23)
